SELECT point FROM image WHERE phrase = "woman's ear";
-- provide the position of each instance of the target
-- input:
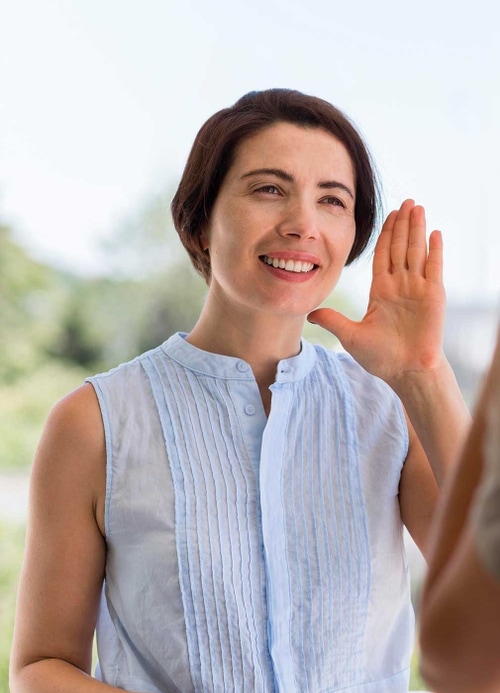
(204, 244)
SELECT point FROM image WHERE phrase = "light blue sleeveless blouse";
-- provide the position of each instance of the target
(248, 554)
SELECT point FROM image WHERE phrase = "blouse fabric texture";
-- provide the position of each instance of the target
(250, 553)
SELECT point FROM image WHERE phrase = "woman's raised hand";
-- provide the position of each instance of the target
(402, 330)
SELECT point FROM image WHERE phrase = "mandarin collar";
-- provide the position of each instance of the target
(231, 367)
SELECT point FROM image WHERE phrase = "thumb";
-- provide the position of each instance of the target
(333, 321)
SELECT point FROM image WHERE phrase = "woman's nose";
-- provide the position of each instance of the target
(299, 221)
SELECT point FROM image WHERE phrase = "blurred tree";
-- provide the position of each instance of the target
(144, 244)
(150, 291)
(30, 303)
(32, 299)
(106, 321)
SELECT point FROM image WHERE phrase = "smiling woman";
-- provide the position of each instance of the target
(275, 211)
(217, 143)
(239, 493)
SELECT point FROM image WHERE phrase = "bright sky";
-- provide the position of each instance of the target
(100, 101)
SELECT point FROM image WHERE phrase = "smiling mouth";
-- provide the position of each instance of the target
(288, 265)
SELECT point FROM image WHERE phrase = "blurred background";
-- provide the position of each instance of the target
(99, 103)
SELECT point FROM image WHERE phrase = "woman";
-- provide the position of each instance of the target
(240, 492)
(460, 608)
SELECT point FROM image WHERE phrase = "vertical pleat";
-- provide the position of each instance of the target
(219, 541)
(317, 547)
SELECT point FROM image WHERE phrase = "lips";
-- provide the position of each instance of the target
(288, 264)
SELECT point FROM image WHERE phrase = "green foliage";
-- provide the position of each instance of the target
(106, 321)
(24, 406)
(29, 306)
(416, 681)
(12, 543)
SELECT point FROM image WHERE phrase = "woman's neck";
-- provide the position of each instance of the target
(262, 340)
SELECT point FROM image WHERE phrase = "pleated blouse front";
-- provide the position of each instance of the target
(250, 553)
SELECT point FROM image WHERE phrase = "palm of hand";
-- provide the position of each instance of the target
(402, 329)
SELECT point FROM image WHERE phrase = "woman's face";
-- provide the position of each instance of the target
(283, 223)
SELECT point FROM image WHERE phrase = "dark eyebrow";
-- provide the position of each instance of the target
(330, 184)
(284, 175)
(278, 172)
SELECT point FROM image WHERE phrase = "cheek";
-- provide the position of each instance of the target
(342, 240)
(225, 256)
(221, 228)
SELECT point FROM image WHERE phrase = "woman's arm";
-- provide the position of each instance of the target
(63, 570)
(460, 607)
(400, 338)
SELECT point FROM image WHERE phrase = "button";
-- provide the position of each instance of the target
(249, 409)
(242, 366)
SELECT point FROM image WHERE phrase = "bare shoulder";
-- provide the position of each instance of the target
(64, 562)
(78, 413)
(70, 462)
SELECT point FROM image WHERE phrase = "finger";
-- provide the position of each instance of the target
(333, 321)
(434, 265)
(382, 254)
(417, 244)
(400, 235)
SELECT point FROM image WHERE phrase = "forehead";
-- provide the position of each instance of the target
(296, 148)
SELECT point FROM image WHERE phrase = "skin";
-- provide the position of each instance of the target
(460, 605)
(259, 214)
(290, 195)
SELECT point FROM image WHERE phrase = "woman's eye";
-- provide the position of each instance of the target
(333, 201)
(271, 189)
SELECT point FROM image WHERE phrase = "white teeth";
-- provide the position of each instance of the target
(289, 265)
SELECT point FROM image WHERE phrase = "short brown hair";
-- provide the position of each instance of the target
(213, 150)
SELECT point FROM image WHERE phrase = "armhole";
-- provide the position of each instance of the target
(109, 448)
(404, 427)
(344, 359)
